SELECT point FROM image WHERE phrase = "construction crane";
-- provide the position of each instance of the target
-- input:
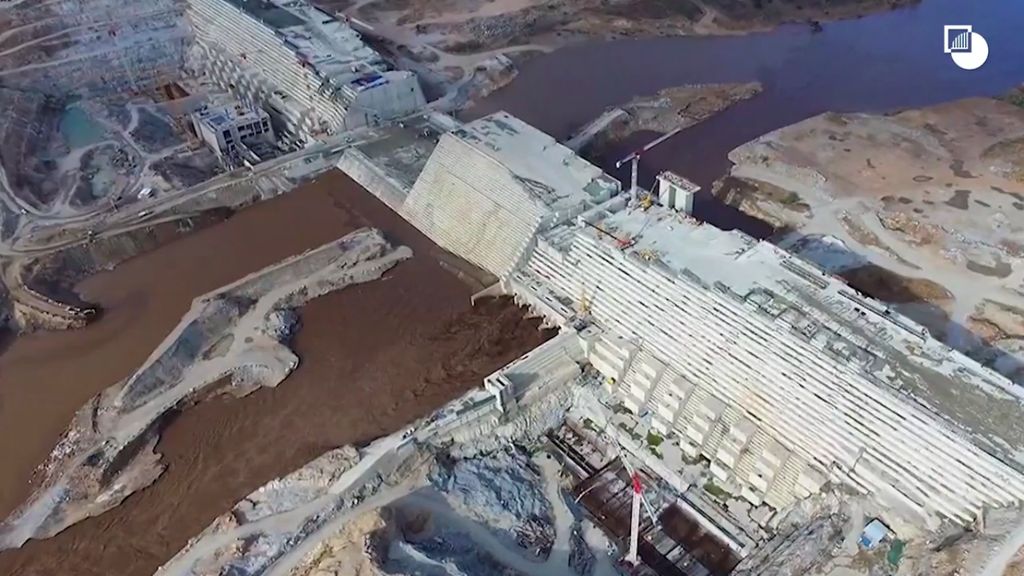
(639, 500)
(632, 556)
(634, 158)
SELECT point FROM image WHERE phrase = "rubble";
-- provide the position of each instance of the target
(501, 490)
(107, 452)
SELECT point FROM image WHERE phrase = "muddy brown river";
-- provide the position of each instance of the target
(378, 355)
(374, 357)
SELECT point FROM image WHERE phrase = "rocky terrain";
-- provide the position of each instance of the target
(468, 26)
(670, 109)
(409, 504)
(923, 209)
(239, 332)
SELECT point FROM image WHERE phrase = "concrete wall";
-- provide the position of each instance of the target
(249, 59)
(472, 206)
(775, 414)
(361, 169)
(398, 97)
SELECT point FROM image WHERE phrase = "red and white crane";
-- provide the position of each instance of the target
(632, 557)
(634, 157)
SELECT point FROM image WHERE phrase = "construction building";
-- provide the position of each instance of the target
(782, 377)
(310, 71)
(233, 130)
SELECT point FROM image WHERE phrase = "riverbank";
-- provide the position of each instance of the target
(803, 73)
(669, 109)
(412, 339)
(465, 27)
(142, 300)
(921, 209)
(240, 332)
(463, 49)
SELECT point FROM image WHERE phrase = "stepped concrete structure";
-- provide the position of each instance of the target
(782, 377)
(310, 71)
(490, 186)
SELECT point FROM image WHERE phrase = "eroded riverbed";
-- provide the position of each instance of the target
(373, 357)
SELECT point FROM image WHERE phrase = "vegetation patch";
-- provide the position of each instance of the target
(654, 440)
(895, 552)
(716, 491)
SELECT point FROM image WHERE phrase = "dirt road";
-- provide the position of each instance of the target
(372, 359)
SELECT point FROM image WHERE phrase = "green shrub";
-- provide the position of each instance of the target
(715, 490)
(654, 440)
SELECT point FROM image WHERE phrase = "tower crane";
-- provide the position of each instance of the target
(634, 158)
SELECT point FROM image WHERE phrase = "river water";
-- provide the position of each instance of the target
(881, 62)
(373, 358)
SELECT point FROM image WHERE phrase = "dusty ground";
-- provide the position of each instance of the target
(928, 206)
(346, 551)
(413, 340)
(62, 156)
(466, 26)
(76, 123)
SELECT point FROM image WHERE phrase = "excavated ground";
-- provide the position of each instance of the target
(373, 358)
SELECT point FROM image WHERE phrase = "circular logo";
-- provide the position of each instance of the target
(973, 59)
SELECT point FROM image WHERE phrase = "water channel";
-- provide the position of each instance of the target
(882, 62)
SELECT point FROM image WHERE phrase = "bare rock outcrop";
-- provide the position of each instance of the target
(233, 339)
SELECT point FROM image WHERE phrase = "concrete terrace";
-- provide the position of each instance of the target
(329, 47)
(887, 347)
(556, 178)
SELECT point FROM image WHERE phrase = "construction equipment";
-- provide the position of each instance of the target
(621, 242)
(646, 201)
(634, 158)
(639, 500)
(584, 304)
(632, 557)
(647, 254)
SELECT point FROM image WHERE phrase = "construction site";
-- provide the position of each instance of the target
(807, 428)
(933, 224)
(103, 105)
(482, 354)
